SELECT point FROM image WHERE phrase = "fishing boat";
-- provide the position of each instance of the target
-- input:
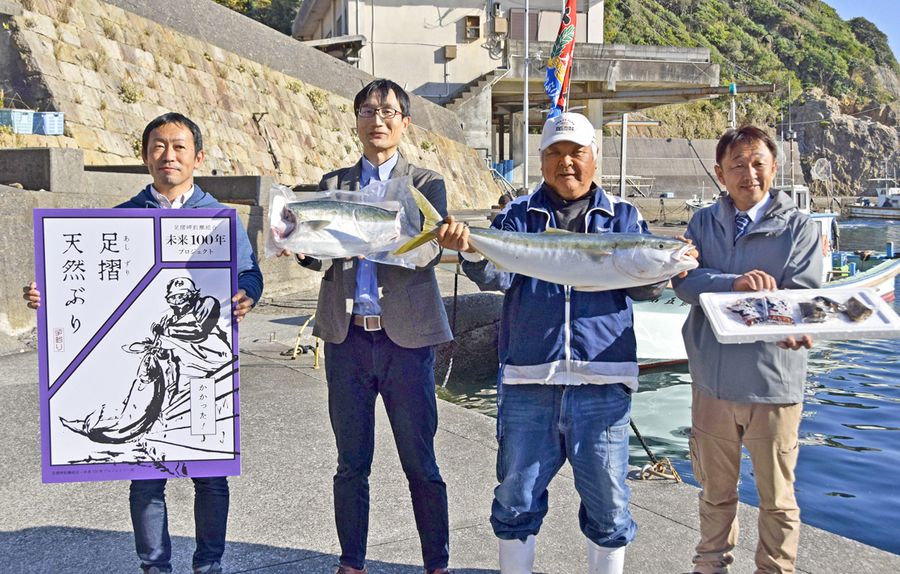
(697, 203)
(886, 204)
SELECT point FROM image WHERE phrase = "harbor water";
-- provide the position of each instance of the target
(850, 433)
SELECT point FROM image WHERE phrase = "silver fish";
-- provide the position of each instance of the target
(585, 261)
(332, 228)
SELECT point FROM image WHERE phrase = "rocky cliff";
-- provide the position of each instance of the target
(858, 143)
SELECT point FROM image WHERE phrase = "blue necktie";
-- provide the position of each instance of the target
(741, 223)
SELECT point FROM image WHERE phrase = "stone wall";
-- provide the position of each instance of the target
(111, 70)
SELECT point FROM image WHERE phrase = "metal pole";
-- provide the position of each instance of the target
(622, 154)
(791, 136)
(525, 107)
(732, 88)
(781, 171)
(501, 144)
(733, 113)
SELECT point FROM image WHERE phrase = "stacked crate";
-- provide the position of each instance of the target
(28, 122)
(48, 123)
(21, 121)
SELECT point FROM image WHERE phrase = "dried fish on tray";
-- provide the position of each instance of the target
(832, 313)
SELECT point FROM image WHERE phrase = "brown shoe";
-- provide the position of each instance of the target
(343, 569)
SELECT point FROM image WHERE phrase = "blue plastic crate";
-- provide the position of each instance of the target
(21, 121)
(49, 123)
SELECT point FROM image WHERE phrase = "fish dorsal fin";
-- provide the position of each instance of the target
(555, 230)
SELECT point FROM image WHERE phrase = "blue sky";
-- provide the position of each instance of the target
(883, 13)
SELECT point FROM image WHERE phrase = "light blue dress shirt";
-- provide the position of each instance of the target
(365, 300)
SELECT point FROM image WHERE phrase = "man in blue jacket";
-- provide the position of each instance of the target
(172, 147)
(753, 239)
(568, 362)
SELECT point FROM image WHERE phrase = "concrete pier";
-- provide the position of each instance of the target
(281, 517)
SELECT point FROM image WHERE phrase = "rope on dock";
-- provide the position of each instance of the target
(660, 467)
(301, 349)
(453, 322)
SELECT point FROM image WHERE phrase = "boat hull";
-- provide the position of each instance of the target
(873, 212)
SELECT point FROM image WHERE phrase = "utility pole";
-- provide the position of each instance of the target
(622, 154)
(792, 135)
(525, 150)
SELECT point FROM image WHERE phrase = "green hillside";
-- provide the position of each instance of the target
(796, 43)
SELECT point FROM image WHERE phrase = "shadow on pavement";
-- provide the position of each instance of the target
(63, 550)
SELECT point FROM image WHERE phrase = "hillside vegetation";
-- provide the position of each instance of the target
(795, 44)
(277, 14)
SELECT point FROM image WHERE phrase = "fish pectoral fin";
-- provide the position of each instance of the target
(599, 254)
(314, 225)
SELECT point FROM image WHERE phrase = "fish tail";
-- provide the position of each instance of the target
(433, 220)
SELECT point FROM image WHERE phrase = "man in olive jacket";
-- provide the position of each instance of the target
(751, 394)
(380, 324)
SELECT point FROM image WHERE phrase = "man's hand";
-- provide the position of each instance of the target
(288, 253)
(32, 295)
(454, 235)
(793, 344)
(242, 304)
(692, 253)
(755, 280)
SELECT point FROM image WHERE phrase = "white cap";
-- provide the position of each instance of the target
(567, 127)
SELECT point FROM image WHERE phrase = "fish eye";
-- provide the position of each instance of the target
(662, 246)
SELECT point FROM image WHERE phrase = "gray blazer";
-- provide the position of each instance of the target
(412, 313)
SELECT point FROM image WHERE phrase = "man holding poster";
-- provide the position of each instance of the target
(171, 148)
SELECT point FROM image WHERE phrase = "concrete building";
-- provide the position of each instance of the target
(470, 57)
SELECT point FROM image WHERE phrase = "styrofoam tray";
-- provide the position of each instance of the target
(728, 326)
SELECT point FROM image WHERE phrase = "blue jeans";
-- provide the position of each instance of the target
(365, 365)
(151, 521)
(539, 427)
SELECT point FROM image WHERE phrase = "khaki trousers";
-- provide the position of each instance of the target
(769, 432)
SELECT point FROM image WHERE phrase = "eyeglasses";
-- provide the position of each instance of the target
(383, 113)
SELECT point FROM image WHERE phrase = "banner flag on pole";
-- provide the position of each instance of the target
(559, 67)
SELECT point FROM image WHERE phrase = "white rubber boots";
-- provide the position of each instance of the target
(517, 557)
(602, 560)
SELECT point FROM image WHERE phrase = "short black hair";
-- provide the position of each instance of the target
(382, 88)
(747, 134)
(172, 118)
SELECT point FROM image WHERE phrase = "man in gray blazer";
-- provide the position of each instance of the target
(380, 324)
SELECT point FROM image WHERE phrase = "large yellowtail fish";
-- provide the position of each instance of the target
(584, 261)
(330, 228)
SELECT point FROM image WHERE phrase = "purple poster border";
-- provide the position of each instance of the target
(129, 470)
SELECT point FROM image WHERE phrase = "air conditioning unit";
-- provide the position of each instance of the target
(450, 52)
